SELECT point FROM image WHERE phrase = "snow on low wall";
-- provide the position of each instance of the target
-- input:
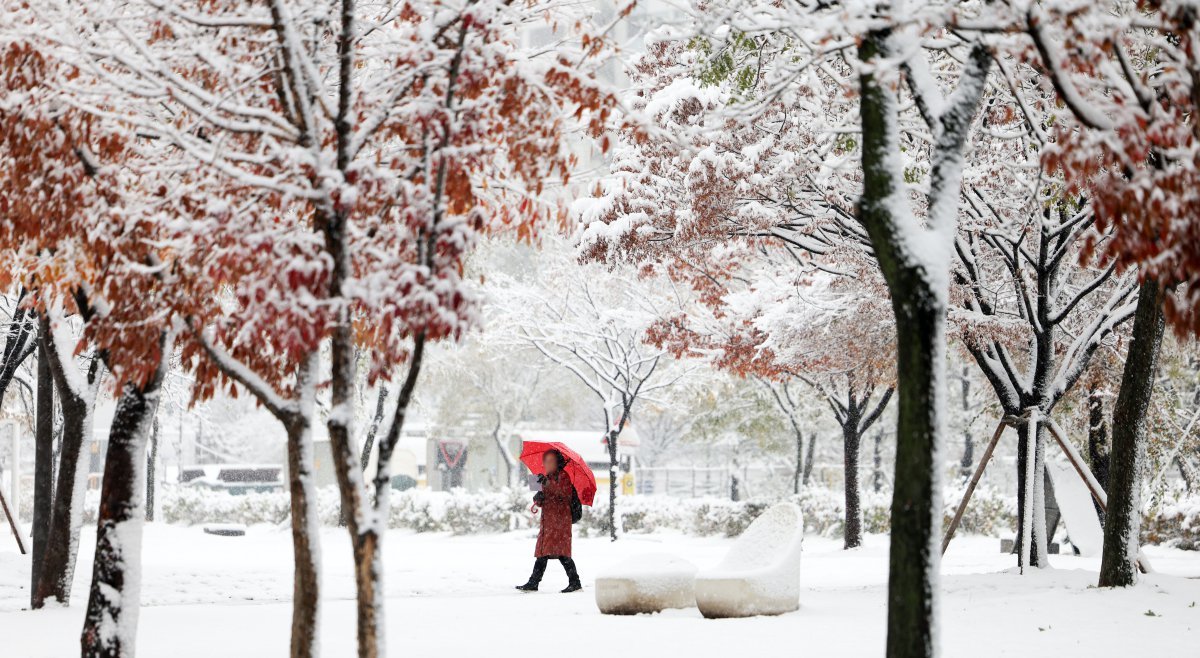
(1175, 521)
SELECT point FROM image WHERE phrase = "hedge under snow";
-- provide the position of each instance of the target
(1174, 520)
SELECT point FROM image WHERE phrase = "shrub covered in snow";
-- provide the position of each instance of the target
(989, 513)
(1174, 520)
(420, 510)
(460, 512)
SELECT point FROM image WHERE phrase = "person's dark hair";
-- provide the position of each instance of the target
(562, 459)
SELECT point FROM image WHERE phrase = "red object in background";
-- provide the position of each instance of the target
(581, 475)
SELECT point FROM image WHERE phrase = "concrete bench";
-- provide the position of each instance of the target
(761, 573)
(646, 583)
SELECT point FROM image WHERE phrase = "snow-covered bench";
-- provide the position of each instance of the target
(646, 583)
(761, 573)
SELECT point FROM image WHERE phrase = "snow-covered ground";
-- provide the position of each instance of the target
(228, 596)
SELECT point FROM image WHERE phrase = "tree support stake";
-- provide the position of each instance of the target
(975, 477)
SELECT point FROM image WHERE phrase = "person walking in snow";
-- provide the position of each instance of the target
(554, 538)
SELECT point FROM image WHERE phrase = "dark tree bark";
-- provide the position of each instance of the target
(306, 581)
(788, 404)
(613, 438)
(151, 463)
(110, 624)
(856, 408)
(1098, 444)
(851, 441)
(856, 416)
(369, 443)
(913, 555)
(809, 457)
(367, 537)
(798, 473)
(920, 311)
(1118, 563)
(62, 543)
(877, 464)
(968, 457)
(43, 468)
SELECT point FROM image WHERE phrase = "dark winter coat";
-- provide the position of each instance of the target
(554, 538)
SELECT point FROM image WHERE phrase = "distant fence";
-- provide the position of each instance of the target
(683, 481)
(717, 481)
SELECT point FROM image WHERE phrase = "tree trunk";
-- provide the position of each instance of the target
(306, 552)
(798, 474)
(295, 413)
(612, 484)
(369, 443)
(916, 501)
(510, 462)
(364, 536)
(877, 464)
(110, 625)
(62, 542)
(1118, 564)
(968, 456)
(1098, 444)
(1031, 492)
(43, 470)
(920, 311)
(853, 524)
(809, 456)
(151, 462)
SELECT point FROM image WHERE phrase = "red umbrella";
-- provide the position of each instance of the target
(581, 475)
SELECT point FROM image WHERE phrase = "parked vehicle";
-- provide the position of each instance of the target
(236, 479)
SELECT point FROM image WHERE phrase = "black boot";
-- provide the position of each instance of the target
(573, 584)
(539, 570)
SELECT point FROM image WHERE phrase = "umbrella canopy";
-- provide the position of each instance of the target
(581, 475)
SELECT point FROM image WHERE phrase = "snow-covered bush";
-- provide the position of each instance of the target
(460, 512)
(420, 510)
(1174, 520)
(824, 511)
(192, 505)
(990, 512)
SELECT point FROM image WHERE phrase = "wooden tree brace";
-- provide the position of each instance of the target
(983, 462)
(12, 522)
(1073, 456)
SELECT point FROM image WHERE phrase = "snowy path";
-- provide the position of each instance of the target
(207, 596)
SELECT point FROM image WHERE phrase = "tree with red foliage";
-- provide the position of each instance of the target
(1128, 75)
(356, 159)
(81, 234)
